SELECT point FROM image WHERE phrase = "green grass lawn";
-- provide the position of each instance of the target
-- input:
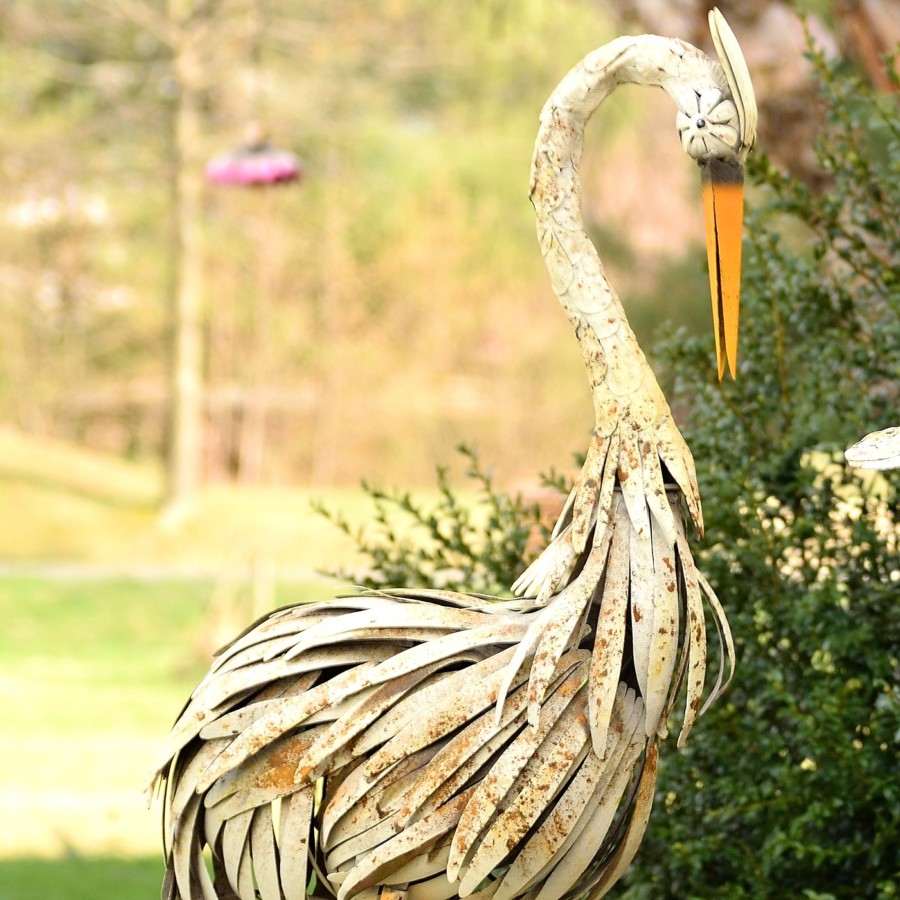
(79, 878)
(92, 673)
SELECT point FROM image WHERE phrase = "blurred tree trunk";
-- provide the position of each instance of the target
(185, 414)
(337, 286)
(258, 370)
(869, 30)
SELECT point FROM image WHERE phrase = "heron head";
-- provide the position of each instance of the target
(719, 130)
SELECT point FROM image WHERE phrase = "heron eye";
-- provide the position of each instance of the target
(701, 123)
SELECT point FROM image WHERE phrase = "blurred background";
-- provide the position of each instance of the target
(254, 251)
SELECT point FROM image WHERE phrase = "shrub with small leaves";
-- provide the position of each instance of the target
(455, 544)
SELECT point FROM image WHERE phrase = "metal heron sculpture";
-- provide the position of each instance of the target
(878, 450)
(422, 744)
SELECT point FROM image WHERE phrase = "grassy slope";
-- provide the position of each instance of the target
(91, 675)
(76, 878)
(63, 503)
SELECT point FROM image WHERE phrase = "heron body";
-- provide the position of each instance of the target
(427, 744)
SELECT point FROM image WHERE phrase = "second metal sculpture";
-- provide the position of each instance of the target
(427, 744)
(878, 450)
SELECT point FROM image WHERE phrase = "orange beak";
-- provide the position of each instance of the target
(722, 186)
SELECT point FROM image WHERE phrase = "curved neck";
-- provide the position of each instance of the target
(572, 261)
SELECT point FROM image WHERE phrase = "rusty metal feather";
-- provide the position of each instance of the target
(609, 639)
(552, 568)
(227, 686)
(235, 850)
(663, 516)
(505, 770)
(286, 622)
(674, 452)
(267, 775)
(640, 584)
(346, 853)
(562, 751)
(631, 481)
(465, 753)
(535, 855)
(441, 719)
(425, 865)
(437, 888)
(265, 861)
(407, 711)
(389, 856)
(412, 808)
(589, 838)
(294, 845)
(664, 639)
(355, 720)
(289, 715)
(637, 825)
(696, 636)
(562, 631)
(235, 721)
(397, 615)
(187, 855)
(189, 770)
(726, 643)
(584, 506)
(358, 803)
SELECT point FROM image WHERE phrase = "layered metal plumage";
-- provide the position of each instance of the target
(433, 744)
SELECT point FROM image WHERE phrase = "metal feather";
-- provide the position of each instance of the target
(878, 450)
(294, 845)
(609, 643)
(664, 640)
(559, 754)
(492, 790)
(738, 75)
(358, 802)
(566, 875)
(400, 849)
(610, 872)
(236, 852)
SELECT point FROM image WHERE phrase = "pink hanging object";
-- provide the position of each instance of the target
(255, 162)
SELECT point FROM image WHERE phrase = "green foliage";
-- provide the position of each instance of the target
(80, 878)
(788, 787)
(454, 544)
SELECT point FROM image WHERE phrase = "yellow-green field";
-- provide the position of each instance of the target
(60, 503)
